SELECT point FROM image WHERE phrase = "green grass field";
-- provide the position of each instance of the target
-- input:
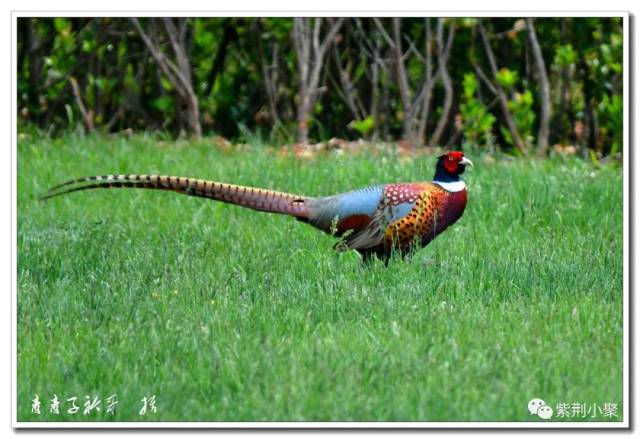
(226, 314)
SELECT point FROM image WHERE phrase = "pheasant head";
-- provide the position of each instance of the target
(450, 166)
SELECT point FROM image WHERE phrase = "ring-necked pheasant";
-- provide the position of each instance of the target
(374, 220)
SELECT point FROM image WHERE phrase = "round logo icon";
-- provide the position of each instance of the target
(538, 407)
(545, 412)
(534, 405)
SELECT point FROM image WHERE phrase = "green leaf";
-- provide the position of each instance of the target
(507, 78)
(364, 126)
(470, 84)
(163, 103)
(565, 55)
(62, 24)
(166, 84)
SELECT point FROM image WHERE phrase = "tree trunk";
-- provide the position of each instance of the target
(303, 118)
(310, 64)
(426, 103)
(228, 34)
(545, 101)
(502, 97)
(443, 58)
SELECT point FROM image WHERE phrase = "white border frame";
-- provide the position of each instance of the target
(626, 413)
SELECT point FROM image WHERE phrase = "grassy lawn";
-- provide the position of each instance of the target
(226, 314)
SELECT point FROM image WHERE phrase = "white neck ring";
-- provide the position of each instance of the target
(451, 186)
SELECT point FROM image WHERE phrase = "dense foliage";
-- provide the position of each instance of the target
(519, 84)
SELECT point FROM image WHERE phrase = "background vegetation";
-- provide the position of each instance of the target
(506, 83)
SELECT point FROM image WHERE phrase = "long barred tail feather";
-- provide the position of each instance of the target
(252, 198)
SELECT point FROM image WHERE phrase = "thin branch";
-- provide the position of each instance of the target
(346, 89)
(383, 32)
(180, 77)
(86, 115)
(484, 78)
(403, 78)
(172, 32)
(168, 68)
(414, 50)
(328, 39)
(269, 76)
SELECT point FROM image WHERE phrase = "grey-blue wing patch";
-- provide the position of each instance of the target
(330, 210)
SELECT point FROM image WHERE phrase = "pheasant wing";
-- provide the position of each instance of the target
(373, 233)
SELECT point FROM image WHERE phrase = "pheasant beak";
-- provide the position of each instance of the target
(465, 161)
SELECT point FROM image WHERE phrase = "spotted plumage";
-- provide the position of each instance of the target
(377, 220)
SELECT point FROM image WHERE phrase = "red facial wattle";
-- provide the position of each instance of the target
(451, 165)
(451, 161)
